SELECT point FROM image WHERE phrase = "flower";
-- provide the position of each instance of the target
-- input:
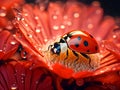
(37, 25)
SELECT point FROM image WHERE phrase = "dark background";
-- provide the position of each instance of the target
(111, 7)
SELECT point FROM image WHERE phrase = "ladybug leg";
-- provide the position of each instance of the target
(76, 54)
(65, 59)
(86, 56)
(66, 55)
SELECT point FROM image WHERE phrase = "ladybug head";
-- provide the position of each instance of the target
(55, 49)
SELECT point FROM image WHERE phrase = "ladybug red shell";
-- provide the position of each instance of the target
(81, 41)
(78, 41)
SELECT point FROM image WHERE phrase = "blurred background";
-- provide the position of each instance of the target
(111, 7)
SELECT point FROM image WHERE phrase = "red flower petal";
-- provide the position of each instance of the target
(24, 75)
(8, 45)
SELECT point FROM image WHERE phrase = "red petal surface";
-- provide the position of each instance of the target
(8, 45)
(24, 76)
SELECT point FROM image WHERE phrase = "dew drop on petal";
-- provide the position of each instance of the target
(26, 25)
(114, 36)
(26, 14)
(37, 30)
(69, 23)
(23, 74)
(23, 54)
(36, 82)
(12, 42)
(62, 26)
(14, 87)
(29, 35)
(22, 78)
(54, 17)
(36, 17)
(98, 11)
(45, 40)
(65, 17)
(22, 81)
(1, 50)
(19, 17)
(3, 12)
(23, 19)
(90, 26)
(39, 49)
(55, 27)
(76, 15)
(42, 7)
(102, 71)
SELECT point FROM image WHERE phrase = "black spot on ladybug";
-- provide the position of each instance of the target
(85, 43)
(76, 45)
(79, 38)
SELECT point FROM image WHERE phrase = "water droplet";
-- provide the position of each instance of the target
(22, 81)
(36, 17)
(13, 88)
(36, 82)
(22, 78)
(23, 74)
(26, 25)
(39, 49)
(37, 30)
(90, 26)
(12, 42)
(23, 19)
(65, 17)
(29, 35)
(69, 23)
(76, 15)
(54, 17)
(55, 27)
(114, 36)
(98, 11)
(26, 14)
(1, 50)
(23, 54)
(31, 67)
(9, 26)
(42, 7)
(45, 40)
(62, 26)
(102, 71)
(3, 12)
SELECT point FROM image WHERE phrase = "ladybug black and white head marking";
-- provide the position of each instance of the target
(59, 47)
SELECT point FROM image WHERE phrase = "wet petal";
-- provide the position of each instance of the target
(8, 45)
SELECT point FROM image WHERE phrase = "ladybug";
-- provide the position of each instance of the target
(78, 41)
